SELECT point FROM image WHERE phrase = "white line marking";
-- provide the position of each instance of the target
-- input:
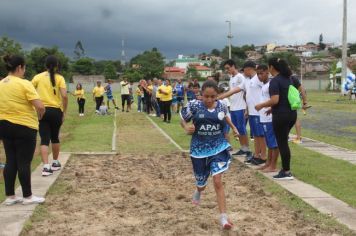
(166, 135)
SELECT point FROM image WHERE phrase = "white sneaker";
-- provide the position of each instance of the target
(33, 200)
(11, 201)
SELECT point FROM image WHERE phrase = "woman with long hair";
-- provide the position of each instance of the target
(19, 102)
(52, 89)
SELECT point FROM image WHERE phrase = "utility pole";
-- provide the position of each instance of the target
(123, 55)
(344, 44)
(229, 37)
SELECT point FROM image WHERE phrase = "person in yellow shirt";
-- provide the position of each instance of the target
(98, 95)
(166, 99)
(79, 94)
(158, 97)
(139, 94)
(19, 102)
(52, 89)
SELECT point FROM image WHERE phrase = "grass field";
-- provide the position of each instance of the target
(332, 119)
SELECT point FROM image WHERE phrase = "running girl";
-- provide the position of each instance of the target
(209, 148)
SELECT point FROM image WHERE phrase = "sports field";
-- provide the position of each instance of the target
(146, 189)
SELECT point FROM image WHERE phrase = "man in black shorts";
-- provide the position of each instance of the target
(125, 94)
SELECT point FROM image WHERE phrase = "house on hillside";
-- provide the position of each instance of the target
(173, 73)
(184, 61)
(203, 71)
(318, 65)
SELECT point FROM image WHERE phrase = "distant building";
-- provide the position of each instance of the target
(253, 56)
(270, 47)
(203, 71)
(173, 73)
(319, 65)
(88, 79)
(184, 61)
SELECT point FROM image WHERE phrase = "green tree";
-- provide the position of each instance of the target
(110, 71)
(352, 49)
(8, 46)
(150, 63)
(79, 51)
(133, 75)
(292, 60)
(336, 52)
(36, 59)
(322, 45)
(83, 66)
(215, 52)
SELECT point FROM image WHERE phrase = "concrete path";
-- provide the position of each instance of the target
(320, 200)
(12, 218)
(330, 150)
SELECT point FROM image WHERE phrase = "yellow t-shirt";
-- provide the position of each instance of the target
(138, 92)
(125, 88)
(15, 105)
(43, 85)
(150, 88)
(158, 94)
(79, 93)
(166, 89)
(98, 91)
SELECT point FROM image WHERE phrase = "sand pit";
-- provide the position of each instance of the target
(151, 195)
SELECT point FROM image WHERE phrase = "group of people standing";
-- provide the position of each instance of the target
(27, 107)
(258, 94)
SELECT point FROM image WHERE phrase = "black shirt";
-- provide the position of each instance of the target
(279, 86)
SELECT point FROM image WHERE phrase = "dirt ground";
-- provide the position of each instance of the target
(151, 195)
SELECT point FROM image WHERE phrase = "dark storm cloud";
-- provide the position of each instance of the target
(175, 27)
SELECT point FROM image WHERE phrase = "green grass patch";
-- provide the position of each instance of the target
(336, 177)
(300, 207)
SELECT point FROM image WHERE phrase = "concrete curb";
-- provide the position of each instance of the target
(13, 218)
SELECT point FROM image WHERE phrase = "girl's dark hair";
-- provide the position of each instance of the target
(217, 77)
(80, 86)
(210, 84)
(262, 67)
(52, 66)
(281, 66)
(12, 62)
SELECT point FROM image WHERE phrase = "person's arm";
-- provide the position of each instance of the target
(40, 109)
(270, 103)
(189, 128)
(304, 96)
(232, 126)
(63, 92)
(229, 93)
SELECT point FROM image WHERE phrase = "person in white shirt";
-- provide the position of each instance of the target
(253, 89)
(238, 106)
(266, 121)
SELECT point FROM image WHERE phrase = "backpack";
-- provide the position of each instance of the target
(294, 97)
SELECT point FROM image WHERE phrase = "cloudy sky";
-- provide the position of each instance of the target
(173, 26)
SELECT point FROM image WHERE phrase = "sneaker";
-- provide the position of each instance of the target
(11, 201)
(56, 165)
(248, 158)
(282, 175)
(297, 141)
(138, 111)
(47, 171)
(257, 161)
(97, 111)
(33, 200)
(240, 153)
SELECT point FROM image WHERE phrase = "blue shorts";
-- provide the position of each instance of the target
(238, 119)
(269, 135)
(213, 165)
(174, 100)
(180, 100)
(110, 97)
(256, 126)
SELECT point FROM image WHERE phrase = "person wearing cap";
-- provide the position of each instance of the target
(238, 106)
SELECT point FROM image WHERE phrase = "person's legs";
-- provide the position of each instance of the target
(79, 106)
(55, 125)
(98, 103)
(25, 148)
(10, 169)
(237, 118)
(201, 173)
(139, 103)
(169, 113)
(83, 105)
(122, 102)
(45, 134)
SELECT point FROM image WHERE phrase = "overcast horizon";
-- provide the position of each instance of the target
(174, 27)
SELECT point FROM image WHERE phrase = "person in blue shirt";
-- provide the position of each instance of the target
(209, 148)
(180, 94)
(108, 91)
